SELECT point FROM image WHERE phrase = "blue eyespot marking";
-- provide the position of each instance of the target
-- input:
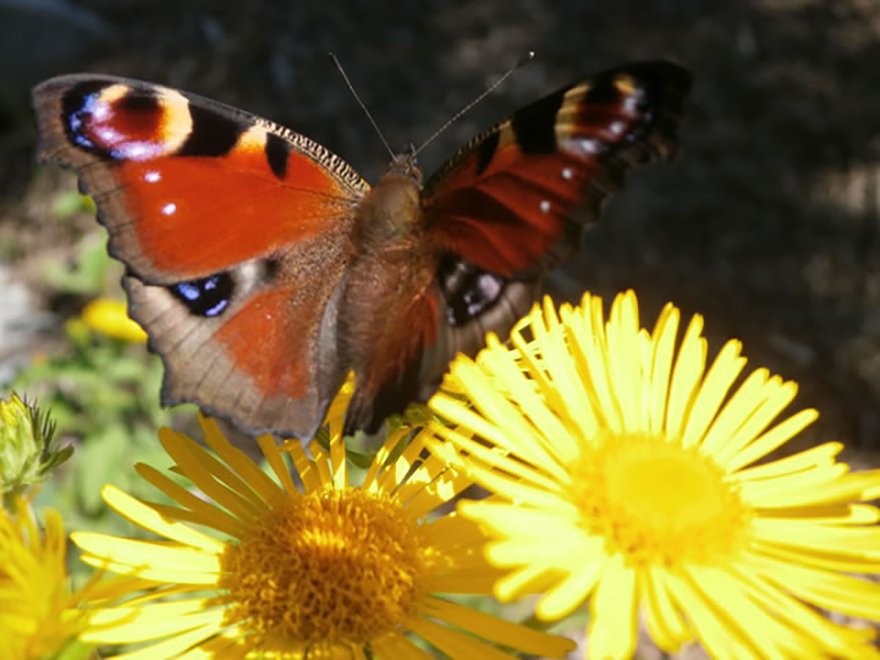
(216, 309)
(188, 290)
(469, 291)
(207, 296)
(111, 128)
(75, 120)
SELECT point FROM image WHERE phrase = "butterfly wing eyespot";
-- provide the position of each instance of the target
(233, 231)
(514, 199)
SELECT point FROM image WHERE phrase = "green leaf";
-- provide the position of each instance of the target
(86, 275)
(360, 459)
(102, 460)
(76, 650)
(69, 203)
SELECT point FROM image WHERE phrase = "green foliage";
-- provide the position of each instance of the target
(103, 394)
(70, 203)
(91, 273)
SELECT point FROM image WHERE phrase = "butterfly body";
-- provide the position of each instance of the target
(390, 294)
(265, 269)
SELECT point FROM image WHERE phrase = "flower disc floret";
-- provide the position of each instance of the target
(335, 566)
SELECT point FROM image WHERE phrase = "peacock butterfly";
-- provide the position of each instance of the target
(265, 269)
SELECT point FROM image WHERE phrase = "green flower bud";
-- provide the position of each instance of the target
(27, 454)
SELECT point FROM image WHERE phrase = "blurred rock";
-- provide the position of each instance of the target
(19, 323)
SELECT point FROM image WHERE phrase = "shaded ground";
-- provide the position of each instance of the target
(767, 223)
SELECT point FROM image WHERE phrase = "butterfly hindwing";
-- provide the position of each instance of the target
(266, 357)
(234, 232)
(513, 200)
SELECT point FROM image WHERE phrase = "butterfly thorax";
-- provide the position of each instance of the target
(389, 219)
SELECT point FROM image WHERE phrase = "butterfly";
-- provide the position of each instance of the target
(265, 270)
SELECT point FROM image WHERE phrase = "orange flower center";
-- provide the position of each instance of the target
(658, 502)
(332, 567)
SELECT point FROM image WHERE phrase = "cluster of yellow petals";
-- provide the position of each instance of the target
(625, 472)
(38, 612)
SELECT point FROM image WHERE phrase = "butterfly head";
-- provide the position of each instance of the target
(405, 164)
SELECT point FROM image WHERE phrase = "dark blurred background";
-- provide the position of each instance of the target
(767, 223)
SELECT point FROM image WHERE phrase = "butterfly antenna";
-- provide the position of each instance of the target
(361, 103)
(525, 59)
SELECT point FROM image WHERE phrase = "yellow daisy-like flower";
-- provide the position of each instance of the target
(110, 317)
(307, 566)
(37, 608)
(625, 473)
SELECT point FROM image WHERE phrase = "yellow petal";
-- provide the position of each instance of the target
(613, 622)
(145, 516)
(497, 630)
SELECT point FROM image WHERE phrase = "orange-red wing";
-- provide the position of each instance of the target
(268, 362)
(207, 214)
(188, 186)
(512, 201)
(393, 375)
(234, 232)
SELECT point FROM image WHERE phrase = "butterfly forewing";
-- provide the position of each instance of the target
(513, 200)
(235, 235)
(188, 186)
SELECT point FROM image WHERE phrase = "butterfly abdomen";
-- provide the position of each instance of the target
(389, 304)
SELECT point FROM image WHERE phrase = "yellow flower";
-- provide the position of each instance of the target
(109, 317)
(37, 610)
(627, 475)
(308, 566)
